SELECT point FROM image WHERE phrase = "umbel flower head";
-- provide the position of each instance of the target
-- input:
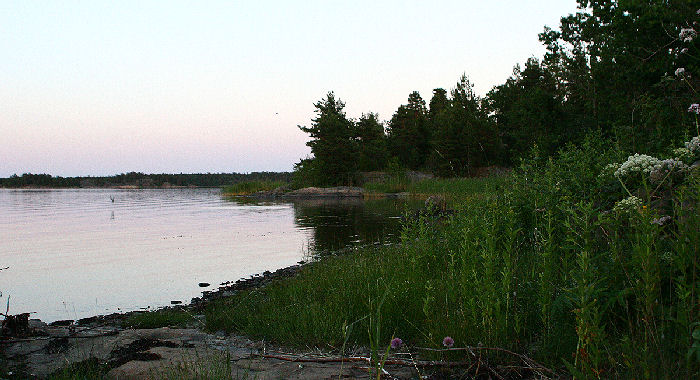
(693, 145)
(396, 343)
(680, 71)
(665, 168)
(695, 107)
(687, 34)
(638, 163)
(628, 204)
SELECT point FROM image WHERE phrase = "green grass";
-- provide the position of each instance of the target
(89, 369)
(245, 188)
(391, 185)
(453, 189)
(159, 318)
(535, 263)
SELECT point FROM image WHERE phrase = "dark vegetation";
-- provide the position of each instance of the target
(143, 180)
(609, 69)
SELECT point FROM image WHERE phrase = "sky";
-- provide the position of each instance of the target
(108, 87)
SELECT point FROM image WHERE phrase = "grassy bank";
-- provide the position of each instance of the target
(251, 187)
(560, 263)
(453, 189)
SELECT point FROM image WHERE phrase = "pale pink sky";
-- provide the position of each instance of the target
(96, 88)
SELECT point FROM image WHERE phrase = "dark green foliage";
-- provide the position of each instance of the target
(463, 137)
(332, 143)
(371, 142)
(615, 63)
(408, 133)
(529, 111)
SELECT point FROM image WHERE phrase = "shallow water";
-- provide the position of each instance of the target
(76, 253)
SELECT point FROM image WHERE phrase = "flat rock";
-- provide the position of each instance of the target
(168, 353)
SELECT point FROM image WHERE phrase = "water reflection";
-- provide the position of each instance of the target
(339, 223)
(69, 256)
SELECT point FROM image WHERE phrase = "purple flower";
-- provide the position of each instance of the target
(448, 342)
(396, 343)
(695, 107)
(680, 71)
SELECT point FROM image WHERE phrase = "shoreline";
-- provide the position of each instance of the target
(225, 289)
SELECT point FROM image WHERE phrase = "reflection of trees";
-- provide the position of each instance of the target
(339, 223)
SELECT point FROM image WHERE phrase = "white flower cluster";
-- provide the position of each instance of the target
(694, 108)
(608, 171)
(638, 163)
(683, 154)
(661, 220)
(687, 34)
(628, 204)
(680, 71)
(693, 145)
(666, 168)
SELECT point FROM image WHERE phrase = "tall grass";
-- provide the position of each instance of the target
(537, 264)
(453, 189)
(250, 187)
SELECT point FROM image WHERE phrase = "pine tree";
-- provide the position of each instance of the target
(332, 143)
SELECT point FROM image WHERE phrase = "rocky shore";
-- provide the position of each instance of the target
(32, 349)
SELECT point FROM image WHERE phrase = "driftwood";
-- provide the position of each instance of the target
(474, 366)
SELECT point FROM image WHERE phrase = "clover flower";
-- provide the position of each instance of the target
(628, 204)
(396, 343)
(680, 71)
(638, 163)
(687, 34)
(695, 107)
(448, 342)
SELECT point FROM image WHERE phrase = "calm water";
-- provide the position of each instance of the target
(76, 253)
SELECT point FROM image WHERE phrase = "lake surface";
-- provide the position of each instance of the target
(81, 252)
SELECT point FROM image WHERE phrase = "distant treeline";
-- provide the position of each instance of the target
(142, 180)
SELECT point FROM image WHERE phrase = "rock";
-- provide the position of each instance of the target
(175, 302)
(65, 322)
(16, 325)
(204, 284)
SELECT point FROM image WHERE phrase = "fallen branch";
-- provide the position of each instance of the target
(531, 364)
